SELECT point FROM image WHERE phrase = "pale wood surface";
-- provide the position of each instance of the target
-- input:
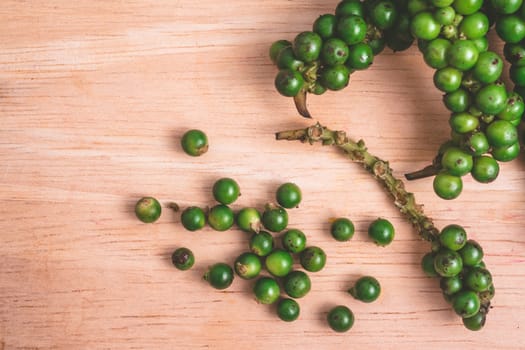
(94, 96)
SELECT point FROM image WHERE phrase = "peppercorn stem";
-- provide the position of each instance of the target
(380, 170)
(429, 170)
(300, 104)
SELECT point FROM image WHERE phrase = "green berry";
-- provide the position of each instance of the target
(220, 217)
(288, 309)
(466, 303)
(247, 266)
(366, 289)
(183, 259)
(313, 259)
(485, 169)
(261, 243)
(226, 190)
(448, 263)
(148, 209)
(342, 229)
(288, 195)
(456, 161)
(297, 284)
(289, 82)
(453, 237)
(276, 48)
(307, 46)
(266, 290)
(193, 218)
(351, 29)
(381, 231)
(275, 218)
(219, 276)
(249, 220)
(279, 263)
(340, 318)
(324, 25)
(194, 142)
(447, 186)
(294, 241)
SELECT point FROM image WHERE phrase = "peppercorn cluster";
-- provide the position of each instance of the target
(452, 37)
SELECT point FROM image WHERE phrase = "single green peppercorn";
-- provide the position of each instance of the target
(294, 241)
(148, 209)
(219, 276)
(288, 195)
(313, 259)
(342, 229)
(249, 220)
(340, 318)
(297, 284)
(226, 190)
(266, 290)
(453, 237)
(366, 289)
(193, 218)
(447, 186)
(194, 142)
(247, 265)
(275, 218)
(485, 169)
(183, 259)
(220, 217)
(261, 243)
(381, 231)
(288, 309)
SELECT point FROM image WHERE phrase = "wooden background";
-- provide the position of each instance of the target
(94, 96)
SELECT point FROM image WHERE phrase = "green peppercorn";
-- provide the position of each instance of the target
(366, 289)
(288, 309)
(453, 237)
(279, 263)
(456, 161)
(193, 218)
(148, 209)
(340, 318)
(220, 217)
(448, 263)
(294, 241)
(307, 46)
(381, 231)
(297, 284)
(247, 265)
(249, 220)
(351, 29)
(275, 218)
(226, 190)
(427, 264)
(471, 253)
(342, 229)
(288, 195)
(485, 169)
(194, 142)
(276, 48)
(261, 243)
(324, 25)
(447, 186)
(266, 290)
(313, 259)
(183, 259)
(289, 82)
(466, 303)
(219, 276)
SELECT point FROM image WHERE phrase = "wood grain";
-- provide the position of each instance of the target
(94, 96)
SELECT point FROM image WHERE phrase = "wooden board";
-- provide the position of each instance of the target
(94, 97)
